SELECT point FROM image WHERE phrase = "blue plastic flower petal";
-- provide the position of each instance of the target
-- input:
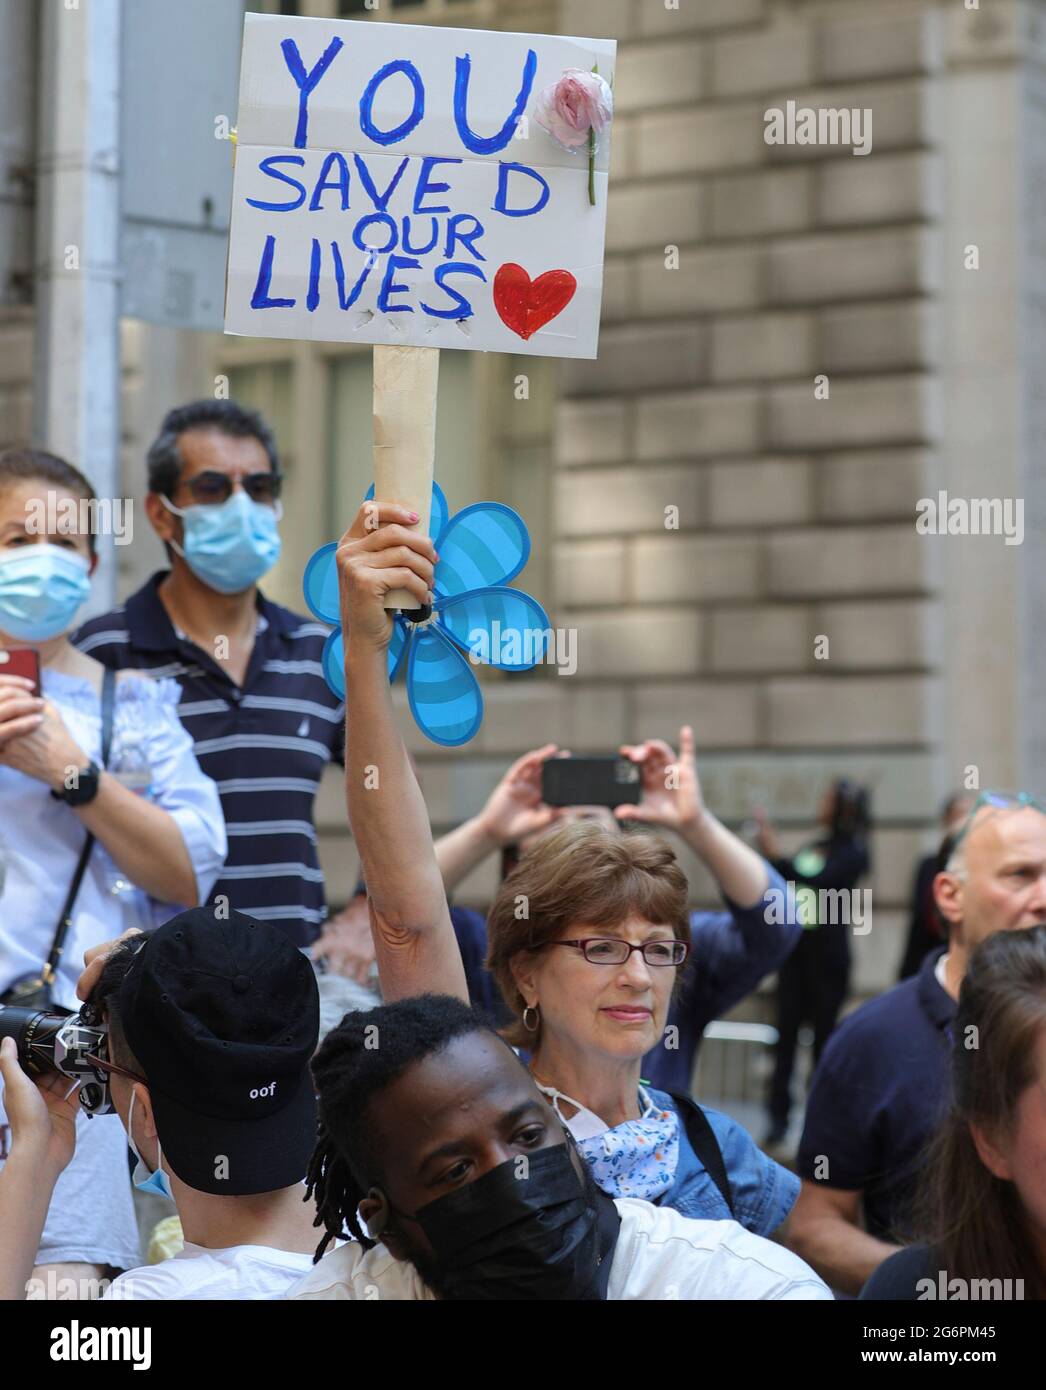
(438, 512)
(333, 658)
(444, 695)
(333, 661)
(483, 545)
(499, 627)
(320, 584)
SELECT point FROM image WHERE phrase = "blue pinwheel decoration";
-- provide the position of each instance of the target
(475, 618)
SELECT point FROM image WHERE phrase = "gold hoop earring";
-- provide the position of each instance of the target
(530, 1027)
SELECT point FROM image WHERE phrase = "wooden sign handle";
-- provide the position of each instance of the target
(405, 381)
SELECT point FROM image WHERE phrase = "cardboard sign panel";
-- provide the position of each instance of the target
(392, 186)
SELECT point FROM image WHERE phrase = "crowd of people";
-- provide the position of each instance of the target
(412, 1100)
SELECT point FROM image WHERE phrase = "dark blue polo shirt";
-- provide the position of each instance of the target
(265, 744)
(878, 1094)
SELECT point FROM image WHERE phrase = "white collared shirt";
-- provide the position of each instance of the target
(659, 1255)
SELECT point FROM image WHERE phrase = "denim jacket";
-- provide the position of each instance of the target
(764, 1192)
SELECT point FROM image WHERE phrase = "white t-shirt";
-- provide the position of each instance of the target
(239, 1272)
(659, 1255)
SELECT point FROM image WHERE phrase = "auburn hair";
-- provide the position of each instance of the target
(581, 873)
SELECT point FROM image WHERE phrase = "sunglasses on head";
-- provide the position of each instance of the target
(210, 488)
(1001, 801)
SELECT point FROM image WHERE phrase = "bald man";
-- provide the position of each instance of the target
(880, 1086)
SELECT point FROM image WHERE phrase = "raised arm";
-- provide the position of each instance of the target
(513, 809)
(671, 798)
(415, 945)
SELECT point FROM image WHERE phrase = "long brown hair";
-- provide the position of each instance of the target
(976, 1222)
(581, 872)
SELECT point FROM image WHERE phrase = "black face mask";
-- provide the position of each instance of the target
(544, 1236)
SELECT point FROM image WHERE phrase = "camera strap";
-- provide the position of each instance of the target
(65, 920)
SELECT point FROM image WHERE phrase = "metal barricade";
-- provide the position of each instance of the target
(733, 1070)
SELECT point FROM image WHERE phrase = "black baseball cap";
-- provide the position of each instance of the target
(223, 1014)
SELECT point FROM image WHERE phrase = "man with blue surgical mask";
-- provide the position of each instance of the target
(262, 718)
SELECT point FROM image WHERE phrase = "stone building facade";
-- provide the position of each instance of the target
(797, 617)
(795, 350)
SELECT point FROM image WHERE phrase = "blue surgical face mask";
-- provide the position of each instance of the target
(231, 545)
(41, 589)
(143, 1180)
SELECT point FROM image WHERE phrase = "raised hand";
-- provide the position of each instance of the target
(671, 791)
(515, 808)
(377, 554)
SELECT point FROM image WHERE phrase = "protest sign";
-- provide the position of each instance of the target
(394, 186)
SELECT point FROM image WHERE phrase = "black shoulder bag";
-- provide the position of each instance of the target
(34, 991)
(704, 1143)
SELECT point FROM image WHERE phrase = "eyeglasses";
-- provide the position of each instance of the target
(111, 1067)
(605, 950)
(1002, 801)
(210, 488)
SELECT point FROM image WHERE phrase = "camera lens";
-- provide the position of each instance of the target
(29, 1029)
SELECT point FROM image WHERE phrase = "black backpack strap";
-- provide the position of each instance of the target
(108, 701)
(704, 1143)
(65, 919)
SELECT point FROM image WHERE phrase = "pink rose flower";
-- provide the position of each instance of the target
(579, 103)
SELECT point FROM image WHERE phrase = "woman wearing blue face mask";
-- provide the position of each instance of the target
(100, 841)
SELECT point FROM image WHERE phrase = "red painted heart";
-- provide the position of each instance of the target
(526, 305)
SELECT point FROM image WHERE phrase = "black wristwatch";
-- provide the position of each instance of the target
(86, 788)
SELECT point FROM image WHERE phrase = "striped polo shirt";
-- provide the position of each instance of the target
(265, 744)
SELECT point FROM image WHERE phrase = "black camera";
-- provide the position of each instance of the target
(64, 1043)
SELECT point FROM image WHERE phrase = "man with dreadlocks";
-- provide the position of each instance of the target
(434, 1138)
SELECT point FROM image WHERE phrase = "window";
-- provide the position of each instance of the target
(267, 388)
